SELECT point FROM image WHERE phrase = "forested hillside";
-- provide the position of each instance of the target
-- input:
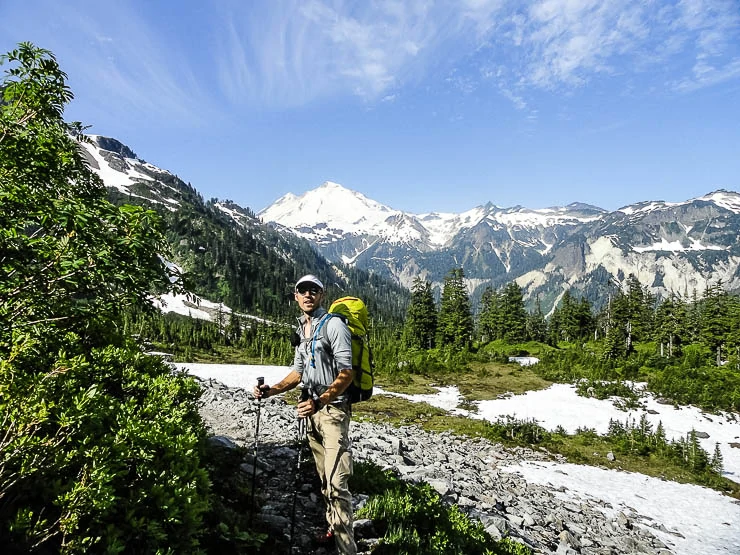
(686, 348)
(230, 257)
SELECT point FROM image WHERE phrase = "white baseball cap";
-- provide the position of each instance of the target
(309, 278)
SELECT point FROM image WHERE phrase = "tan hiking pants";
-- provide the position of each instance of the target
(328, 437)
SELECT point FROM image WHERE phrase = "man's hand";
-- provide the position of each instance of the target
(307, 408)
(261, 391)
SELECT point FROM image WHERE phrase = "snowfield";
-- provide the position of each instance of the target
(693, 520)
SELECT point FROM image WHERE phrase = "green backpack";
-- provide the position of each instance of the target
(354, 312)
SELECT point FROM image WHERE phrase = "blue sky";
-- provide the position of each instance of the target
(421, 105)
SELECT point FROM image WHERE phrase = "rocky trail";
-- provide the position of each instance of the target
(464, 471)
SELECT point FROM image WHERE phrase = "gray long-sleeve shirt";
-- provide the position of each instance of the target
(332, 352)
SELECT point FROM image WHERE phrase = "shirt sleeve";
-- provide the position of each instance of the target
(340, 339)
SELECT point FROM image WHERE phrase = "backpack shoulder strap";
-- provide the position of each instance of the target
(316, 335)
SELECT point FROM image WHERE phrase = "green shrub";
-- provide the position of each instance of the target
(228, 522)
(100, 445)
(101, 451)
(414, 520)
(370, 479)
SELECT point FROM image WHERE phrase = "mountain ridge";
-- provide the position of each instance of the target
(229, 256)
(672, 248)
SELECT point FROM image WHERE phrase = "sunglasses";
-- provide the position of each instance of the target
(312, 290)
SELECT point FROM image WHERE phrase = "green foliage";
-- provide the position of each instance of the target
(455, 319)
(370, 479)
(100, 445)
(414, 520)
(101, 450)
(68, 255)
(195, 340)
(514, 430)
(639, 438)
(433, 362)
(227, 523)
(571, 320)
(629, 397)
(710, 387)
(420, 326)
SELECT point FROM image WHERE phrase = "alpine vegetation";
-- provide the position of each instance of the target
(99, 443)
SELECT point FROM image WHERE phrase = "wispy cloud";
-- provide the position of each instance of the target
(285, 53)
(706, 75)
(568, 43)
(292, 52)
(119, 62)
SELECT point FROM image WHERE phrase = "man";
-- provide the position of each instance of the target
(323, 365)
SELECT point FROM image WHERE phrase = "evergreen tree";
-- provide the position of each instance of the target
(697, 458)
(554, 327)
(714, 321)
(640, 305)
(490, 319)
(455, 320)
(717, 462)
(420, 327)
(669, 329)
(618, 341)
(536, 324)
(568, 318)
(660, 438)
(513, 313)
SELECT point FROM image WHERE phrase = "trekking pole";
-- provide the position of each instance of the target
(305, 392)
(260, 383)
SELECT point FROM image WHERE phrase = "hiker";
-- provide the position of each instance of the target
(325, 375)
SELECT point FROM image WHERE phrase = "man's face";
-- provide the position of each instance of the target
(308, 296)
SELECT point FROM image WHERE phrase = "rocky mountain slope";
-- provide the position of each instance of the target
(230, 256)
(670, 247)
(464, 471)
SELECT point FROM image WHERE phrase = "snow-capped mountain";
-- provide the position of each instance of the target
(332, 212)
(669, 247)
(124, 172)
(228, 254)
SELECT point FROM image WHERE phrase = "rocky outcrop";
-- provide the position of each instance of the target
(464, 471)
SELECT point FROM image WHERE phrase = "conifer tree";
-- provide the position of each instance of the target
(513, 313)
(669, 329)
(714, 321)
(420, 327)
(717, 462)
(455, 320)
(659, 437)
(618, 341)
(536, 324)
(489, 318)
(568, 318)
(640, 308)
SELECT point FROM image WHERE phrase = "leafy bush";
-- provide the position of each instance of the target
(415, 521)
(228, 522)
(371, 479)
(100, 445)
(101, 451)
(521, 432)
(629, 397)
